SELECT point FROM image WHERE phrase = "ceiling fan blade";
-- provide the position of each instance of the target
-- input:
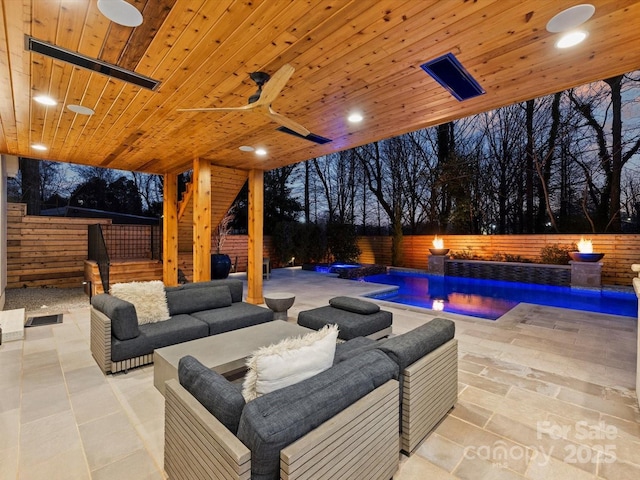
(274, 86)
(221, 109)
(290, 124)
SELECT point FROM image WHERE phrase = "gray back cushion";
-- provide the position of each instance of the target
(409, 347)
(220, 397)
(124, 320)
(198, 299)
(271, 422)
(235, 287)
(354, 305)
(353, 347)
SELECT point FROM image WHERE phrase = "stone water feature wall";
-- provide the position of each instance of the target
(559, 275)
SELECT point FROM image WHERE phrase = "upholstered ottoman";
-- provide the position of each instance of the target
(354, 317)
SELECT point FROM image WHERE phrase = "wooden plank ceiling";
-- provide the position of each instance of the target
(348, 55)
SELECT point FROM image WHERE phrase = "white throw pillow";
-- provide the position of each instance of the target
(149, 299)
(289, 361)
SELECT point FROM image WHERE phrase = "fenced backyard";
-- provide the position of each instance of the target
(621, 251)
(51, 251)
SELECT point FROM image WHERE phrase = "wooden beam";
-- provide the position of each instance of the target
(170, 230)
(201, 220)
(256, 209)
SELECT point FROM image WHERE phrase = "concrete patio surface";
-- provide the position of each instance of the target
(544, 393)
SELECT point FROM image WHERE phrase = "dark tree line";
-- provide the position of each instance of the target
(562, 163)
(43, 184)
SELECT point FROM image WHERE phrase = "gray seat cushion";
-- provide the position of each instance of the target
(405, 349)
(277, 419)
(354, 305)
(351, 324)
(237, 315)
(124, 320)
(197, 299)
(178, 329)
(220, 397)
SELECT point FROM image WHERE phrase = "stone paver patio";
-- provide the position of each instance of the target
(544, 393)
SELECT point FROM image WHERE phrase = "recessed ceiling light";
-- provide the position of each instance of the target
(247, 148)
(80, 109)
(570, 18)
(261, 151)
(571, 39)
(355, 117)
(39, 146)
(45, 100)
(120, 12)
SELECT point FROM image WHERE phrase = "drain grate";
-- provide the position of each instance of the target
(43, 320)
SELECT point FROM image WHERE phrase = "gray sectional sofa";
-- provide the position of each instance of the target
(197, 310)
(347, 422)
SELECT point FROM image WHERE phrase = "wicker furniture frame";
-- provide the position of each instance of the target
(360, 443)
(429, 391)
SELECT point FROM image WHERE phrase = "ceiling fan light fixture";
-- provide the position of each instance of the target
(120, 12)
(81, 109)
(39, 147)
(45, 100)
(571, 39)
(570, 18)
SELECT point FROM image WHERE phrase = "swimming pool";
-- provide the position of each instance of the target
(491, 299)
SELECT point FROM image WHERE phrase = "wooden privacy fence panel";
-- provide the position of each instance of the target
(45, 251)
(620, 250)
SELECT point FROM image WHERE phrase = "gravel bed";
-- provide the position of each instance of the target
(45, 300)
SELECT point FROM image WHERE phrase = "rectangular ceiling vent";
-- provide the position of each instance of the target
(312, 137)
(89, 63)
(449, 72)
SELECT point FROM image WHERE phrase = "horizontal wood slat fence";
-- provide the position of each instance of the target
(45, 251)
(620, 250)
(51, 251)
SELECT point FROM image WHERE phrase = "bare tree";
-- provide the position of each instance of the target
(601, 107)
(383, 175)
(150, 188)
(505, 140)
(30, 184)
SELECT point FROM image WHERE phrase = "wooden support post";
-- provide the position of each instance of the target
(201, 220)
(256, 209)
(170, 230)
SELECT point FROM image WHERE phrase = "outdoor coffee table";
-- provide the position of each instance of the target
(225, 353)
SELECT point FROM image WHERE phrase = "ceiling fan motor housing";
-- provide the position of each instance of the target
(260, 78)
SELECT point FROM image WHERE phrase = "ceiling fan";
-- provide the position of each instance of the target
(260, 102)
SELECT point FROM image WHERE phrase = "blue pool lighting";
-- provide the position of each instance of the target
(491, 299)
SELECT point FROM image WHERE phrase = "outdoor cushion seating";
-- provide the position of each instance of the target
(427, 358)
(196, 310)
(340, 423)
(354, 317)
